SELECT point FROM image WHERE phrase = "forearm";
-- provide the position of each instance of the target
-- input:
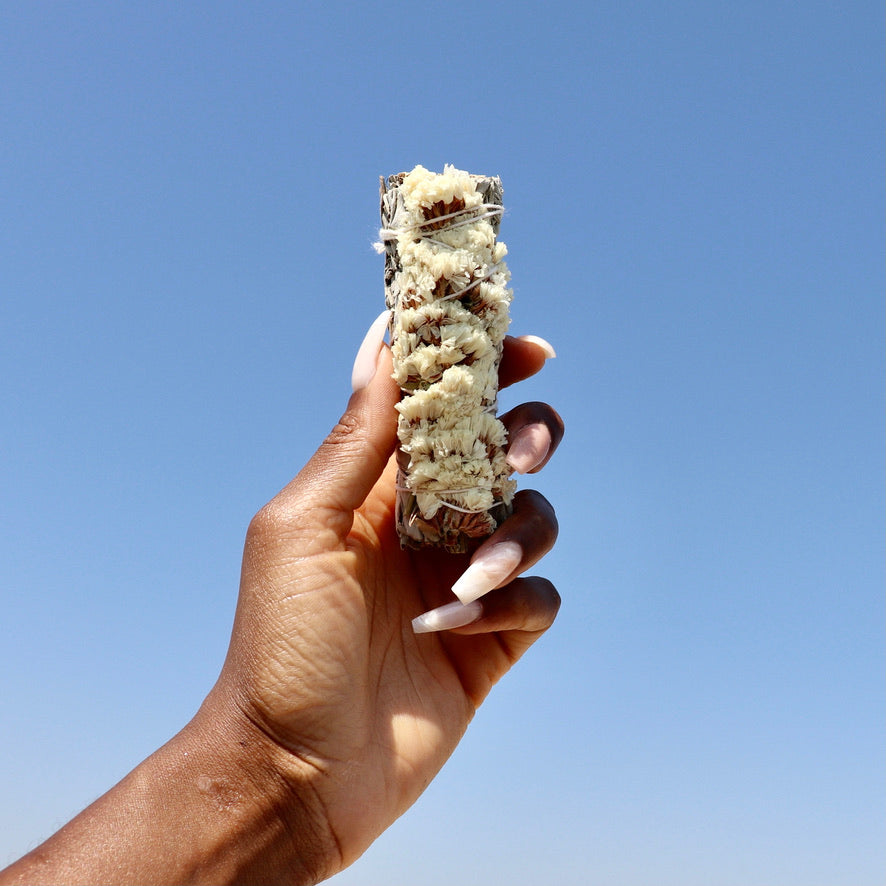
(208, 807)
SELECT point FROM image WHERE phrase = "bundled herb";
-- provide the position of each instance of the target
(446, 286)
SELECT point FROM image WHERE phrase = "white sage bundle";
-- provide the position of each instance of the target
(446, 287)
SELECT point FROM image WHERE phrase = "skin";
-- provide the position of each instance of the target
(330, 715)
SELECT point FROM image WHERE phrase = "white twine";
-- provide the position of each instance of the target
(458, 491)
(449, 504)
(475, 282)
(469, 217)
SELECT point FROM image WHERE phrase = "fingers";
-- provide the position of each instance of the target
(516, 616)
(350, 460)
(520, 542)
(534, 432)
(528, 605)
(511, 619)
(522, 357)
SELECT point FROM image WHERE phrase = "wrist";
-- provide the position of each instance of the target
(271, 826)
(216, 804)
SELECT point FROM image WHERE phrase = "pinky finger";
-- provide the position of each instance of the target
(527, 606)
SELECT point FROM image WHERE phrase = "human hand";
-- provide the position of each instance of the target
(331, 713)
(357, 711)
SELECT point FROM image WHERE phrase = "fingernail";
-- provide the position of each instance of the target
(367, 357)
(489, 568)
(528, 447)
(444, 618)
(546, 346)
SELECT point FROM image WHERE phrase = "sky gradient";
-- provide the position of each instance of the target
(695, 221)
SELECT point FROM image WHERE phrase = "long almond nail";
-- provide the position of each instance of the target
(489, 568)
(366, 360)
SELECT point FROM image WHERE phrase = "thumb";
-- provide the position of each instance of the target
(350, 460)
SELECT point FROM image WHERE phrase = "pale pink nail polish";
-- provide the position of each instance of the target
(528, 448)
(367, 356)
(445, 618)
(489, 568)
(546, 346)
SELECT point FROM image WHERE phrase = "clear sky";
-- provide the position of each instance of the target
(695, 219)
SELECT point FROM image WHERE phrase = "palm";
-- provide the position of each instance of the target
(383, 708)
(323, 646)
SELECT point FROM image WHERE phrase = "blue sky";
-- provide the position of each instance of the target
(695, 219)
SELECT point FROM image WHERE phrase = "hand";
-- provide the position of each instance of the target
(331, 714)
(324, 659)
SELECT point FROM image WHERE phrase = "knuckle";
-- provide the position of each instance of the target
(537, 511)
(264, 525)
(550, 593)
(344, 431)
(272, 523)
(544, 601)
(532, 603)
(544, 523)
(537, 411)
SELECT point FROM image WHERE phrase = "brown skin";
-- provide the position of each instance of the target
(330, 716)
